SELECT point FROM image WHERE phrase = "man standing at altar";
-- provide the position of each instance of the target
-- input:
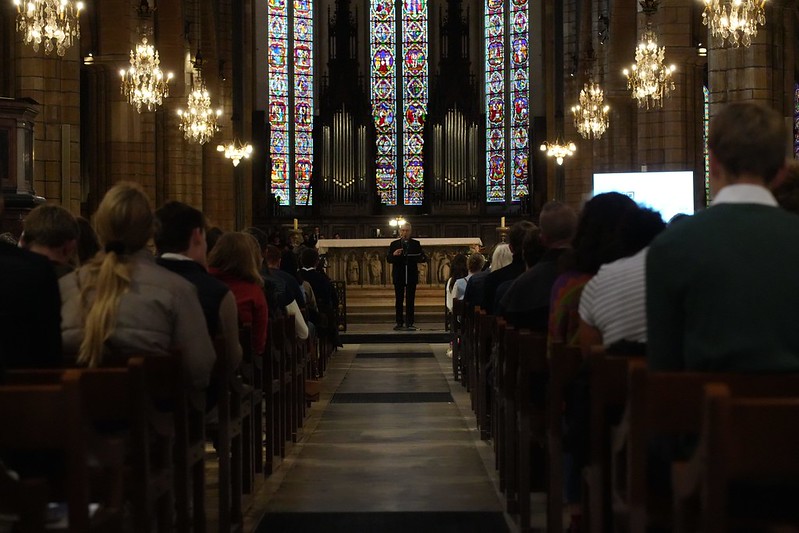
(405, 254)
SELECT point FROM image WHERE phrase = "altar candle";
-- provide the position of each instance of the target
(296, 225)
(502, 222)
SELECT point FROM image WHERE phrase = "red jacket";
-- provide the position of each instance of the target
(251, 304)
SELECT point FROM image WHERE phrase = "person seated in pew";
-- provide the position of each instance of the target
(613, 303)
(532, 251)
(234, 261)
(458, 271)
(474, 264)
(88, 244)
(181, 243)
(271, 271)
(721, 285)
(30, 316)
(595, 243)
(510, 271)
(526, 302)
(285, 293)
(324, 293)
(123, 303)
(51, 231)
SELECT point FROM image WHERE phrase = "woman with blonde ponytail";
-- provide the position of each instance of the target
(122, 303)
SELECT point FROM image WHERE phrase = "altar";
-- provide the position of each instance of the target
(362, 262)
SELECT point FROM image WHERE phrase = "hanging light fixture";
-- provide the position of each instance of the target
(235, 151)
(649, 78)
(559, 150)
(56, 22)
(591, 113)
(144, 83)
(199, 121)
(735, 21)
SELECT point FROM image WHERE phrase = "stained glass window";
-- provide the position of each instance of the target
(414, 97)
(278, 14)
(303, 100)
(291, 119)
(495, 100)
(796, 121)
(384, 96)
(507, 67)
(386, 70)
(705, 133)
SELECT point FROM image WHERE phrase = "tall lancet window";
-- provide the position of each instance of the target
(291, 113)
(507, 66)
(705, 135)
(399, 157)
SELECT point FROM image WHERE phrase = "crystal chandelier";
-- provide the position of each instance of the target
(648, 78)
(559, 151)
(56, 22)
(198, 121)
(235, 151)
(734, 20)
(591, 114)
(144, 84)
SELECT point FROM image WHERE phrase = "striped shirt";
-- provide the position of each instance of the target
(614, 301)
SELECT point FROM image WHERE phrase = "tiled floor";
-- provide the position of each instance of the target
(418, 456)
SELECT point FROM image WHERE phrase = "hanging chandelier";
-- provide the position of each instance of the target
(591, 113)
(649, 78)
(735, 21)
(235, 151)
(56, 22)
(144, 83)
(559, 150)
(199, 121)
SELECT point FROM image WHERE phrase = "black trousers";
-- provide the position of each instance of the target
(408, 294)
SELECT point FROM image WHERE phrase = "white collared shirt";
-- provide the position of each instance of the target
(176, 257)
(744, 193)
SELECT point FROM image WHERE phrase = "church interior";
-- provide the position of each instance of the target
(342, 119)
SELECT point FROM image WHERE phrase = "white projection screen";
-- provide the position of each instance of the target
(668, 192)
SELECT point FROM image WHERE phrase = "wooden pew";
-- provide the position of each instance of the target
(251, 371)
(118, 405)
(56, 422)
(509, 430)
(272, 393)
(485, 325)
(498, 406)
(531, 415)
(607, 384)
(747, 444)
(564, 365)
(667, 405)
(456, 336)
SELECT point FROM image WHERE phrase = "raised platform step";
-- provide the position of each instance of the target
(427, 332)
(375, 305)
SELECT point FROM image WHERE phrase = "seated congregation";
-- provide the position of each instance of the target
(137, 350)
(643, 375)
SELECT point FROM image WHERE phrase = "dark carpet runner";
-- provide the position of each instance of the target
(398, 522)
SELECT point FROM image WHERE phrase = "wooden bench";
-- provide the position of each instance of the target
(91, 464)
(747, 445)
(272, 393)
(456, 337)
(667, 405)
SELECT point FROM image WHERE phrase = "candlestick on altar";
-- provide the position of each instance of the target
(502, 231)
(296, 224)
(502, 222)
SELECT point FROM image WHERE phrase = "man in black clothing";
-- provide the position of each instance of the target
(30, 315)
(52, 231)
(405, 254)
(516, 237)
(180, 240)
(526, 302)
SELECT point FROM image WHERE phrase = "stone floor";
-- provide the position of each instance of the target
(372, 455)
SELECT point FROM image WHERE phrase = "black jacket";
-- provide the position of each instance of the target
(406, 266)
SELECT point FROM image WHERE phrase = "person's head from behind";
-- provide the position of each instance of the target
(180, 229)
(501, 257)
(261, 237)
(124, 223)
(518, 232)
(273, 255)
(558, 222)
(532, 248)
(88, 243)
(746, 144)
(475, 262)
(405, 231)
(786, 188)
(237, 255)
(52, 231)
(596, 240)
(309, 258)
(458, 268)
(638, 228)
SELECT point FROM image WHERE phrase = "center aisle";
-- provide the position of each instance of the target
(391, 446)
